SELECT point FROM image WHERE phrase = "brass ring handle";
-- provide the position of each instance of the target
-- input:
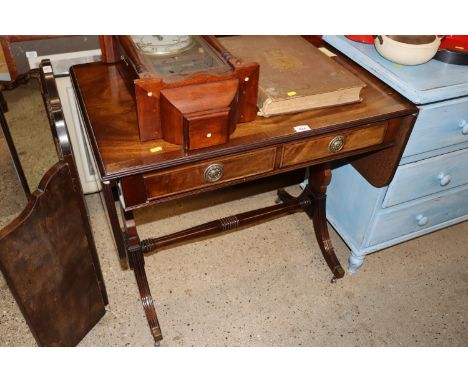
(214, 172)
(336, 144)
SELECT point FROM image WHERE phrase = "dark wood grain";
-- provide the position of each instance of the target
(238, 166)
(188, 116)
(47, 254)
(156, 171)
(64, 149)
(379, 168)
(315, 192)
(306, 151)
(110, 53)
(225, 224)
(319, 179)
(48, 265)
(111, 120)
(3, 104)
(137, 263)
(109, 200)
(147, 85)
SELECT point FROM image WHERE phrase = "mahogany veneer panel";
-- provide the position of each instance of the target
(47, 263)
(319, 148)
(190, 177)
(104, 95)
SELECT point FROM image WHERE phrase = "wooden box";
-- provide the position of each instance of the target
(196, 108)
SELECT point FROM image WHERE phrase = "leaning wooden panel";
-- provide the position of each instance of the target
(47, 263)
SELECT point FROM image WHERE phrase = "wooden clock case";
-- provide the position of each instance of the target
(196, 111)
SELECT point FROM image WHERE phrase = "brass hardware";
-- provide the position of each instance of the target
(336, 144)
(214, 172)
(157, 335)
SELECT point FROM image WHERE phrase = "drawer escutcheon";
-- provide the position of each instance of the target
(214, 172)
(336, 144)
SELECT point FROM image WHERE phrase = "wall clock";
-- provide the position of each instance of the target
(163, 45)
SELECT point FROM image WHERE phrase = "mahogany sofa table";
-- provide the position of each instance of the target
(370, 134)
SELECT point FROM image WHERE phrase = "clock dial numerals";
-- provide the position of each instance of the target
(163, 45)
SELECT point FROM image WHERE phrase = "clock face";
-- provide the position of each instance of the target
(177, 57)
(163, 45)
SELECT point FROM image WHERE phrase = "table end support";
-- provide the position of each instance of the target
(315, 191)
(137, 263)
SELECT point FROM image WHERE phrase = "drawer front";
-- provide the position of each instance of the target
(307, 151)
(207, 129)
(207, 173)
(418, 216)
(439, 125)
(427, 177)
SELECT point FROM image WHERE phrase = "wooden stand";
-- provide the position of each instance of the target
(47, 253)
(196, 111)
(311, 201)
(371, 134)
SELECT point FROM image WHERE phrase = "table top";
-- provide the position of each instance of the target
(430, 82)
(109, 112)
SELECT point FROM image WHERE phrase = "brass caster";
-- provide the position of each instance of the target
(157, 344)
(278, 200)
(333, 280)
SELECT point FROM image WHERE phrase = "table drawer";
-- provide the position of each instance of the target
(420, 215)
(302, 152)
(439, 125)
(206, 173)
(427, 177)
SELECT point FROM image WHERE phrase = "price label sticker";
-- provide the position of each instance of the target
(32, 54)
(301, 128)
(326, 52)
(47, 69)
(156, 149)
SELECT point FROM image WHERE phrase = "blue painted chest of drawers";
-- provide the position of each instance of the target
(430, 187)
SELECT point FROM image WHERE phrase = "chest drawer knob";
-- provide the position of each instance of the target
(214, 172)
(336, 144)
(444, 179)
(421, 220)
(464, 126)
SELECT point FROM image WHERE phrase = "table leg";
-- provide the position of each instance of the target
(319, 179)
(3, 104)
(107, 190)
(137, 263)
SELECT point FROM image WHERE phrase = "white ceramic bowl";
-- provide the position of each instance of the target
(405, 53)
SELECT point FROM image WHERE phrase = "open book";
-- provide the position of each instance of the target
(294, 74)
